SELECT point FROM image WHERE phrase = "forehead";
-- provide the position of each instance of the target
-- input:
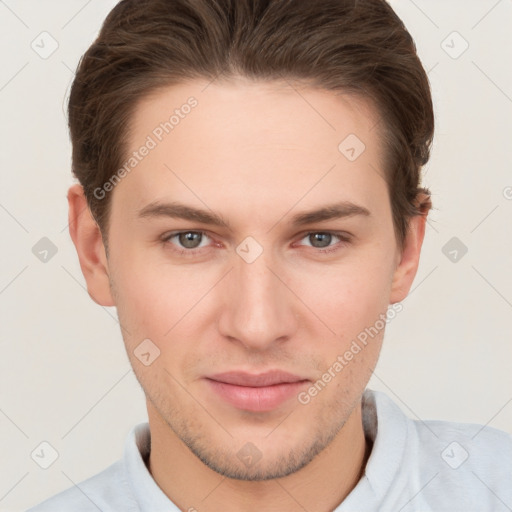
(253, 141)
(252, 112)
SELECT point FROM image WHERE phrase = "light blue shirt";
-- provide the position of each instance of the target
(414, 466)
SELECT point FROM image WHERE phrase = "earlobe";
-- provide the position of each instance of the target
(409, 262)
(88, 241)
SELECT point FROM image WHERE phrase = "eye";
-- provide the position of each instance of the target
(188, 241)
(323, 240)
(191, 242)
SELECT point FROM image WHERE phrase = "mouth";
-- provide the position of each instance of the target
(256, 392)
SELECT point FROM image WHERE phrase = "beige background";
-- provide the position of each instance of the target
(64, 376)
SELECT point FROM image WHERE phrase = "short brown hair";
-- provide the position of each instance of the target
(353, 46)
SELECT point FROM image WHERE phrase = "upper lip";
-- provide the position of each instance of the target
(269, 378)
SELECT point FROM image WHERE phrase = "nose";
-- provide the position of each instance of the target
(258, 309)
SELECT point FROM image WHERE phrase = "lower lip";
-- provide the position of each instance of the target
(257, 399)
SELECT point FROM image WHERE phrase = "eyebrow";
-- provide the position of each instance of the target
(329, 212)
(182, 211)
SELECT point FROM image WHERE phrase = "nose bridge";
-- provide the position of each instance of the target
(256, 283)
(258, 310)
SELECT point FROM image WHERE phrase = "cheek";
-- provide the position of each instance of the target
(347, 297)
(154, 296)
(156, 305)
(162, 301)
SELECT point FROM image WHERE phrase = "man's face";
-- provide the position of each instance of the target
(262, 292)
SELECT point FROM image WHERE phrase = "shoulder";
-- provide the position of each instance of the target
(106, 491)
(469, 463)
(436, 465)
(455, 444)
(465, 443)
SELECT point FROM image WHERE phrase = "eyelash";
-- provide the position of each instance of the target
(344, 240)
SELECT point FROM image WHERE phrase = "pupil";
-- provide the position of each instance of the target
(190, 240)
(323, 238)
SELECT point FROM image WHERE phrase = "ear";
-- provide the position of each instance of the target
(410, 258)
(86, 236)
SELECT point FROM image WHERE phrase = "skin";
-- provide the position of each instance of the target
(256, 154)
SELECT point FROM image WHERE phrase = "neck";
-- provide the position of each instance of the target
(319, 486)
